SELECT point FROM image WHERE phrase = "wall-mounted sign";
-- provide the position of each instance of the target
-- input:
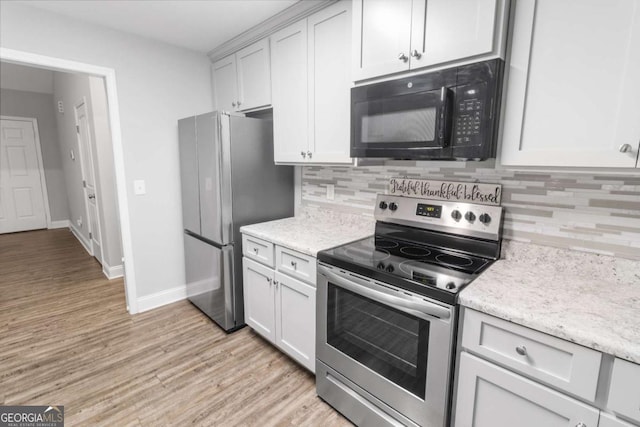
(467, 192)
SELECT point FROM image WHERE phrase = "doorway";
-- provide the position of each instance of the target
(108, 74)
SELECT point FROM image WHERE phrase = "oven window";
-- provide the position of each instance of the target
(388, 341)
(411, 125)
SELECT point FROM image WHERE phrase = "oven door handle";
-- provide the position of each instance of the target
(411, 305)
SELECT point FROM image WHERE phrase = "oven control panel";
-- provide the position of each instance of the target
(467, 219)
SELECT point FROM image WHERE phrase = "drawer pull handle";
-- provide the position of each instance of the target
(294, 264)
(522, 351)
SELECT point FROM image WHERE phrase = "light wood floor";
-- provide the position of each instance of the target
(66, 339)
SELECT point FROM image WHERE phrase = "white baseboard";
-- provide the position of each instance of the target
(162, 298)
(172, 295)
(85, 243)
(64, 223)
(112, 272)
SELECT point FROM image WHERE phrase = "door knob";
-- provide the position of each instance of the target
(625, 148)
(416, 54)
(402, 57)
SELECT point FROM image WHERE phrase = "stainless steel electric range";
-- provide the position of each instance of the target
(386, 309)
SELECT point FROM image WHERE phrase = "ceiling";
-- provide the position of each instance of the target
(199, 25)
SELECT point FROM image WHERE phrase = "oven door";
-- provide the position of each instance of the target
(409, 125)
(395, 347)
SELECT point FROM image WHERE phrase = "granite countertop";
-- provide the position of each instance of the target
(589, 299)
(313, 230)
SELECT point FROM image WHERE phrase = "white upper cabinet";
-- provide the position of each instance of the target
(242, 81)
(225, 84)
(573, 92)
(311, 88)
(402, 35)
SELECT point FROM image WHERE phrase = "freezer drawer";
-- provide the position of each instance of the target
(209, 277)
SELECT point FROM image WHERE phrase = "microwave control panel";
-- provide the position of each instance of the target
(469, 113)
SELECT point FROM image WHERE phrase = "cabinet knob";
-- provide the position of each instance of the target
(275, 282)
(521, 350)
(309, 153)
(269, 280)
(239, 103)
(233, 104)
(581, 425)
(255, 250)
(402, 57)
(303, 154)
(294, 264)
(416, 54)
(625, 148)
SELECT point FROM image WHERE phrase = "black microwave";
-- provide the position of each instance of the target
(450, 114)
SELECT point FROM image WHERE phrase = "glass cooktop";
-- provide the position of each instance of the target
(416, 267)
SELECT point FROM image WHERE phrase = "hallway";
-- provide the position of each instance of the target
(67, 339)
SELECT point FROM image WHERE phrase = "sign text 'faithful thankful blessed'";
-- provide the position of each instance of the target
(486, 194)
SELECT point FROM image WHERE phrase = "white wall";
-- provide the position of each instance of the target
(157, 85)
(40, 106)
(28, 79)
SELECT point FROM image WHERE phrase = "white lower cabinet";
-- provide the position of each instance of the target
(282, 309)
(490, 396)
(511, 375)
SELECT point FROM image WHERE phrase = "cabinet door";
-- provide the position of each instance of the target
(254, 76)
(289, 93)
(259, 298)
(329, 57)
(607, 420)
(381, 34)
(225, 84)
(296, 320)
(573, 96)
(489, 396)
(450, 30)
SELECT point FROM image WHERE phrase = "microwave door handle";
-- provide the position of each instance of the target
(419, 308)
(446, 100)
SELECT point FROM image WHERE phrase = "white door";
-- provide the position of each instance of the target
(257, 282)
(382, 37)
(573, 97)
(254, 76)
(296, 319)
(329, 51)
(490, 396)
(21, 194)
(88, 176)
(289, 93)
(225, 84)
(437, 40)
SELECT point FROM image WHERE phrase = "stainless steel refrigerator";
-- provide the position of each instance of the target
(228, 180)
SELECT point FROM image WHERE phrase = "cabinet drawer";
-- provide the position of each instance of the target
(258, 249)
(559, 363)
(624, 392)
(297, 265)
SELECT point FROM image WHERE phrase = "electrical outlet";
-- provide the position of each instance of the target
(331, 193)
(60, 107)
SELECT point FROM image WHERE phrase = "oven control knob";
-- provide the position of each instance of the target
(390, 268)
(380, 266)
(456, 215)
(470, 216)
(450, 285)
(485, 218)
(383, 205)
(393, 206)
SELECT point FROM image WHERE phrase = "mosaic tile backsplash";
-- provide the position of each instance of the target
(587, 212)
